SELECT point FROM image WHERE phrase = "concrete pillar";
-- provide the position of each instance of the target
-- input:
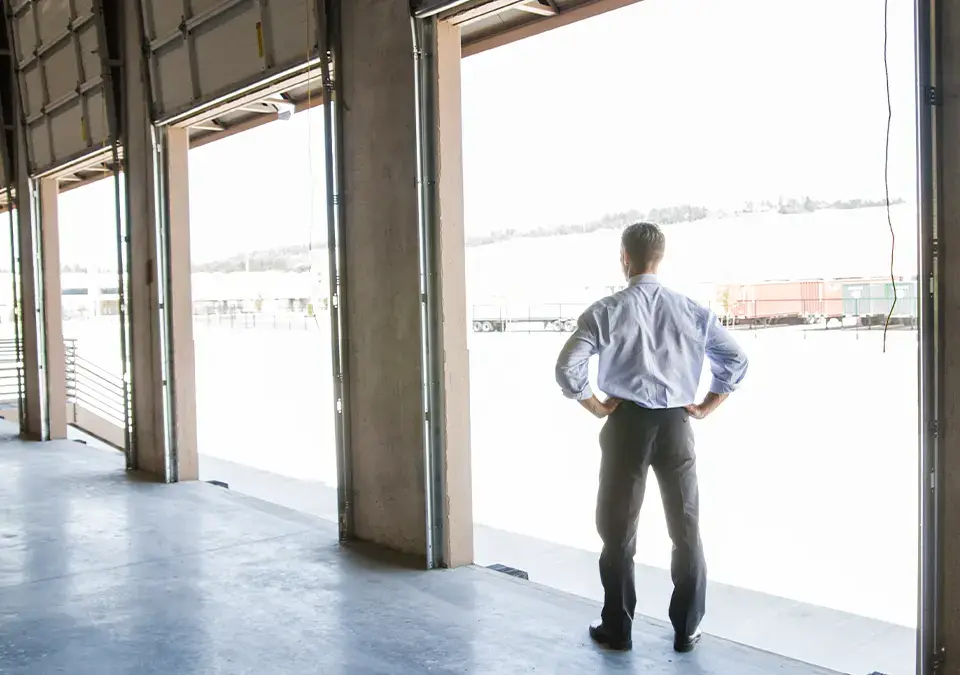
(160, 303)
(33, 409)
(55, 356)
(383, 309)
(149, 439)
(386, 407)
(457, 479)
(180, 306)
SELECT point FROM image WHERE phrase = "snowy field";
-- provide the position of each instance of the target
(808, 475)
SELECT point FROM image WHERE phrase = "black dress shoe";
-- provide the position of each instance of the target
(686, 643)
(607, 640)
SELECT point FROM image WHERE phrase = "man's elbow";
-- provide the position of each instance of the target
(743, 364)
(728, 379)
(738, 371)
(570, 385)
(562, 378)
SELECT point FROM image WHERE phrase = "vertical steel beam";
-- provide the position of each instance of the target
(929, 643)
(443, 258)
(327, 13)
(939, 51)
(424, 39)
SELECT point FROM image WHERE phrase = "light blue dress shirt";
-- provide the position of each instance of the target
(652, 344)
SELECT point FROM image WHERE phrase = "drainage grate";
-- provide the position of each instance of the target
(512, 571)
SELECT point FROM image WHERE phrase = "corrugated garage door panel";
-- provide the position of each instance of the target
(203, 50)
(60, 69)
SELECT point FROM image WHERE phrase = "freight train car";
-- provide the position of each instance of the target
(863, 301)
(779, 303)
(871, 301)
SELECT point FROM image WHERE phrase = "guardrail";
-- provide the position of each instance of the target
(92, 387)
(251, 320)
(10, 372)
(95, 396)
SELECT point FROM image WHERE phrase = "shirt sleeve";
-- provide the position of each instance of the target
(572, 371)
(728, 362)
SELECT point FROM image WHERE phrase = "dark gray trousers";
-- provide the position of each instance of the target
(633, 440)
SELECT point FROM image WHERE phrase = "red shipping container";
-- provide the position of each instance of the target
(833, 300)
(775, 300)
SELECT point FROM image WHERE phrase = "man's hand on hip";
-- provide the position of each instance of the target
(711, 402)
(600, 409)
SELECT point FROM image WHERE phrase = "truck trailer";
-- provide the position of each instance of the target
(555, 317)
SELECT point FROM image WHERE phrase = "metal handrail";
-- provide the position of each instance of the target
(88, 384)
(94, 387)
(98, 397)
(10, 371)
(82, 369)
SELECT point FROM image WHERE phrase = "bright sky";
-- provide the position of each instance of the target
(687, 101)
(662, 103)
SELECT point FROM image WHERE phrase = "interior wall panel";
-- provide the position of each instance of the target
(203, 50)
(60, 66)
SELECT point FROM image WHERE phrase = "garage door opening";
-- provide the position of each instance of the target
(260, 292)
(92, 306)
(719, 123)
(11, 371)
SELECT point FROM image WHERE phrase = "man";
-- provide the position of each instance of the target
(652, 343)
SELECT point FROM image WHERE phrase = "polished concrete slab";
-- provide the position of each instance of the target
(101, 574)
(833, 639)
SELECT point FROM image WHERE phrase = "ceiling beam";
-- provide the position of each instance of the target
(588, 9)
(254, 122)
(208, 126)
(309, 77)
(483, 11)
(256, 107)
(536, 8)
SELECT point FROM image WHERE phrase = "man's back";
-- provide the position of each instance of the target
(652, 342)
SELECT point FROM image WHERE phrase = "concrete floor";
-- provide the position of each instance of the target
(836, 640)
(103, 574)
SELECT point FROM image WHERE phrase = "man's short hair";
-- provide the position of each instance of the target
(644, 243)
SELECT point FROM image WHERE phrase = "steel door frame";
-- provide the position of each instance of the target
(930, 637)
(331, 66)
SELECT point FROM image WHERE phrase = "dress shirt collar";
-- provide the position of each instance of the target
(644, 279)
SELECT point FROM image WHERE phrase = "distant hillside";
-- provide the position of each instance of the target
(676, 214)
(297, 258)
(284, 259)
